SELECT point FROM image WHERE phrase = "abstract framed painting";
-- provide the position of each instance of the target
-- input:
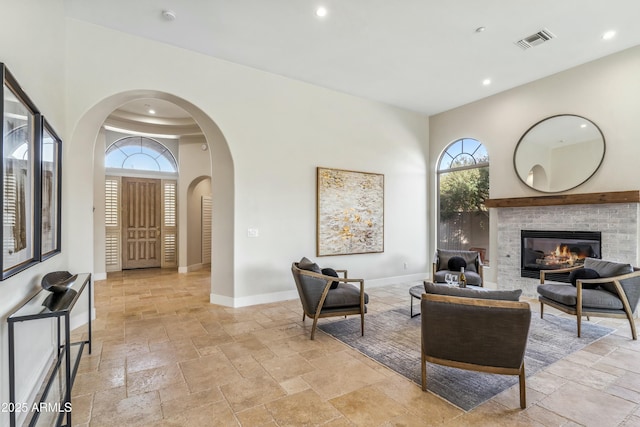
(350, 212)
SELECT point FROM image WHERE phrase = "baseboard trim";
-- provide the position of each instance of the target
(253, 299)
(374, 283)
(99, 276)
(293, 294)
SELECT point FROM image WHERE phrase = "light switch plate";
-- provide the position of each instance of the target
(253, 232)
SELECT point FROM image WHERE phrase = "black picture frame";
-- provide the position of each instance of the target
(50, 191)
(20, 132)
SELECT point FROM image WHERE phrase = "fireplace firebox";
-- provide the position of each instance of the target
(552, 250)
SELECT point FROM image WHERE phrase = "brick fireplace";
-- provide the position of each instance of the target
(617, 222)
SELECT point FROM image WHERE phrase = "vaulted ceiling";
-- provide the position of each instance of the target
(423, 55)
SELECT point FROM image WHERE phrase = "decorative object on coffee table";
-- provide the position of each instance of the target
(57, 281)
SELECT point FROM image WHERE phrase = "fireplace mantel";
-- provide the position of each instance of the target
(566, 199)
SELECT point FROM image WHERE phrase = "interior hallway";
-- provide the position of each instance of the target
(164, 356)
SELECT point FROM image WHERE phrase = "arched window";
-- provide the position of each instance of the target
(463, 186)
(140, 153)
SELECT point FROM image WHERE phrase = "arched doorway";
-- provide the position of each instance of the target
(83, 156)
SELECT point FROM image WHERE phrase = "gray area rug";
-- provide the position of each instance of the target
(393, 339)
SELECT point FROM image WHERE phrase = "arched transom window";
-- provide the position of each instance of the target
(140, 153)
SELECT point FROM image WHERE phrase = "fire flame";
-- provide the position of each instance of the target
(562, 255)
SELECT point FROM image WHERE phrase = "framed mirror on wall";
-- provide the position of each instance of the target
(30, 184)
(559, 153)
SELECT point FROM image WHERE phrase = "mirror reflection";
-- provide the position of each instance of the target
(559, 153)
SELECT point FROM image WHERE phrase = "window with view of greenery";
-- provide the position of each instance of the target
(463, 186)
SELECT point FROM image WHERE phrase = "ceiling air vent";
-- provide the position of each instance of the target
(536, 39)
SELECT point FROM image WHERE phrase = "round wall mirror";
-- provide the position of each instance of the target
(559, 153)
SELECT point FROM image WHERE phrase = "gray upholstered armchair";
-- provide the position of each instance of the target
(598, 288)
(326, 295)
(478, 330)
(472, 264)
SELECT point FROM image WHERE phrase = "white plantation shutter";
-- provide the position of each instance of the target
(206, 229)
(111, 202)
(113, 257)
(169, 224)
(9, 217)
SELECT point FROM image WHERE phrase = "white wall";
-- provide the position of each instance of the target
(195, 168)
(278, 130)
(32, 48)
(606, 91)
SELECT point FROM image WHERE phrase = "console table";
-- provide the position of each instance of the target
(57, 388)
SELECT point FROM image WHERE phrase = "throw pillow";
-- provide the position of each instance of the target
(456, 263)
(584, 273)
(306, 264)
(480, 293)
(331, 272)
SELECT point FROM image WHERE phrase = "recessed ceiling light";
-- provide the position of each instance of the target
(152, 111)
(321, 11)
(584, 125)
(609, 35)
(169, 15)
(486, 82)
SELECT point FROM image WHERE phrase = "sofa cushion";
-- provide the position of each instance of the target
(470, 258)
(480, 293)
(331, 272)
(306, 264)
(345, 295)
(455, 263)
(584, 273)
(607, 268)
(591, 298)
(472, 277)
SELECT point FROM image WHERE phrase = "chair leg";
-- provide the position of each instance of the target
(362, 324)
(424, 372)
(303, 314)
(579, 316)
(313, 328)
(632, 323)
(541, 309)
(523, 388)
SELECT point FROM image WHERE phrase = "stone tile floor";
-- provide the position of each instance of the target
(164, 356)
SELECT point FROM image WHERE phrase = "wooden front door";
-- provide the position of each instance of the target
(141, 213)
